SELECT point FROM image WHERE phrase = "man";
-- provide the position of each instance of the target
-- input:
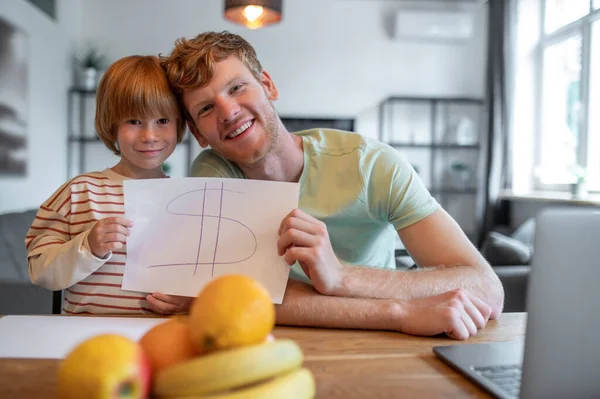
(356, 194)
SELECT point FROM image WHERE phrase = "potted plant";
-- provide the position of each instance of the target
(578, 187)
(460, 174)
(166, 168)
(90, 62)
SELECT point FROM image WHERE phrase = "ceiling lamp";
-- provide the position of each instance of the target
(253, 14)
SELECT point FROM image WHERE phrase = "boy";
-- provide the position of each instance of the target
(77, 240)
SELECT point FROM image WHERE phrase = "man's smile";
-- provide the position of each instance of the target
(240, 129)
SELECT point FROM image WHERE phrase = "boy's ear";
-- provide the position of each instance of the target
(269, 86)
(199, 138)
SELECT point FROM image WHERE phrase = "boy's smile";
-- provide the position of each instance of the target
(151, 153)
(144, 145)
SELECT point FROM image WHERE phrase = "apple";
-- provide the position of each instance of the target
(105, 366)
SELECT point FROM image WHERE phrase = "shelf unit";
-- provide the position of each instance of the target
(296, 123)
(81, 133)
(440, 146)
(434, 133)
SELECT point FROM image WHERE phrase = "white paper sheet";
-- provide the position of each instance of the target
(189, 230)
(53, 337)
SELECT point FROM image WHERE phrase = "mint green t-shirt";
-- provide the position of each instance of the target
(362, 189)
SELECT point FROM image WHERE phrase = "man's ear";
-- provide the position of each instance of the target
(269, 86)
(196, 133)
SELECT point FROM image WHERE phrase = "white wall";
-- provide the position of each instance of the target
(329, 58)
(49, 79)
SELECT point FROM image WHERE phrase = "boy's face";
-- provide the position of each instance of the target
(234, 113)
(145, 144)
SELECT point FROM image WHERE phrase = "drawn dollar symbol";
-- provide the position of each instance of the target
(206, 207)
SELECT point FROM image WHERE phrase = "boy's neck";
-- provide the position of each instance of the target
(125, 170)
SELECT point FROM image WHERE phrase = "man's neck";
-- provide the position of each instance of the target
(284, 163)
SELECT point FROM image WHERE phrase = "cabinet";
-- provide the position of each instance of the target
(442, 138)
(86, 152)
(295, 124)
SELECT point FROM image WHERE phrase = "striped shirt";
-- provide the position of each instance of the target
(58, 252)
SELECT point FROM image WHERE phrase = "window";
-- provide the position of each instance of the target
(593, 143)
(556, 101)
(561, 106)
(559, 13)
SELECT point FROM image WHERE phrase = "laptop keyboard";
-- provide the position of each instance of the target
(505, 377)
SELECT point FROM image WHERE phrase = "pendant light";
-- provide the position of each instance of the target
(253, 14)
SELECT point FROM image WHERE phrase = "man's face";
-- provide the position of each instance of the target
(234, 114)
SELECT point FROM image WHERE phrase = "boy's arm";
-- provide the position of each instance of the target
(56, 261)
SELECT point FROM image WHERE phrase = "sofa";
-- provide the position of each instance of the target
(17, 294)
(510, 252)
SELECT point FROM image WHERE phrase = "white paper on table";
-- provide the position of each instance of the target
(189, 230)
(53, 337)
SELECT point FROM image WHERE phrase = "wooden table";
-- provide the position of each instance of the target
(345, 363)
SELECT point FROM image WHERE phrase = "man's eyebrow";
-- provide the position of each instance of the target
(196, 105)
(226, 85)
(230, 81)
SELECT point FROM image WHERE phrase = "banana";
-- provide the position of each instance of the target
(228, 369)
(297, 384)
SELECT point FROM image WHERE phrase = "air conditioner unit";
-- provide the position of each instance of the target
(434, 25)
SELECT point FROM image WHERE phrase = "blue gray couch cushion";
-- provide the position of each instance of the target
(13, 255)
(501, 250)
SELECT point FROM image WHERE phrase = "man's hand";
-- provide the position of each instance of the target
(304, 238)
(456, 313)
(108, 235)
(169, 304)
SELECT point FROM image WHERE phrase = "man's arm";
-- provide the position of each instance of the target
(436, 243)
(448, 261)
(456, 314)
(303, 306)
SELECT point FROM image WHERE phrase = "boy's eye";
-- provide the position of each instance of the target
(133, 122)
(163, 121)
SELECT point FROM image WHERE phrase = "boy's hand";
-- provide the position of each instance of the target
(108, 235)
(169, 304)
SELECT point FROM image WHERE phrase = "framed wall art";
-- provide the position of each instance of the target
(14, 105)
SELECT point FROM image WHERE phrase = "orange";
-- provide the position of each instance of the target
(105, 366)
(168, 343)
(231, 311)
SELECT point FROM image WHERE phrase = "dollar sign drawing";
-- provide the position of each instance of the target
(211, 228)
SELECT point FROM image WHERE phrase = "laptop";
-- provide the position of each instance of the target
(560, 356)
